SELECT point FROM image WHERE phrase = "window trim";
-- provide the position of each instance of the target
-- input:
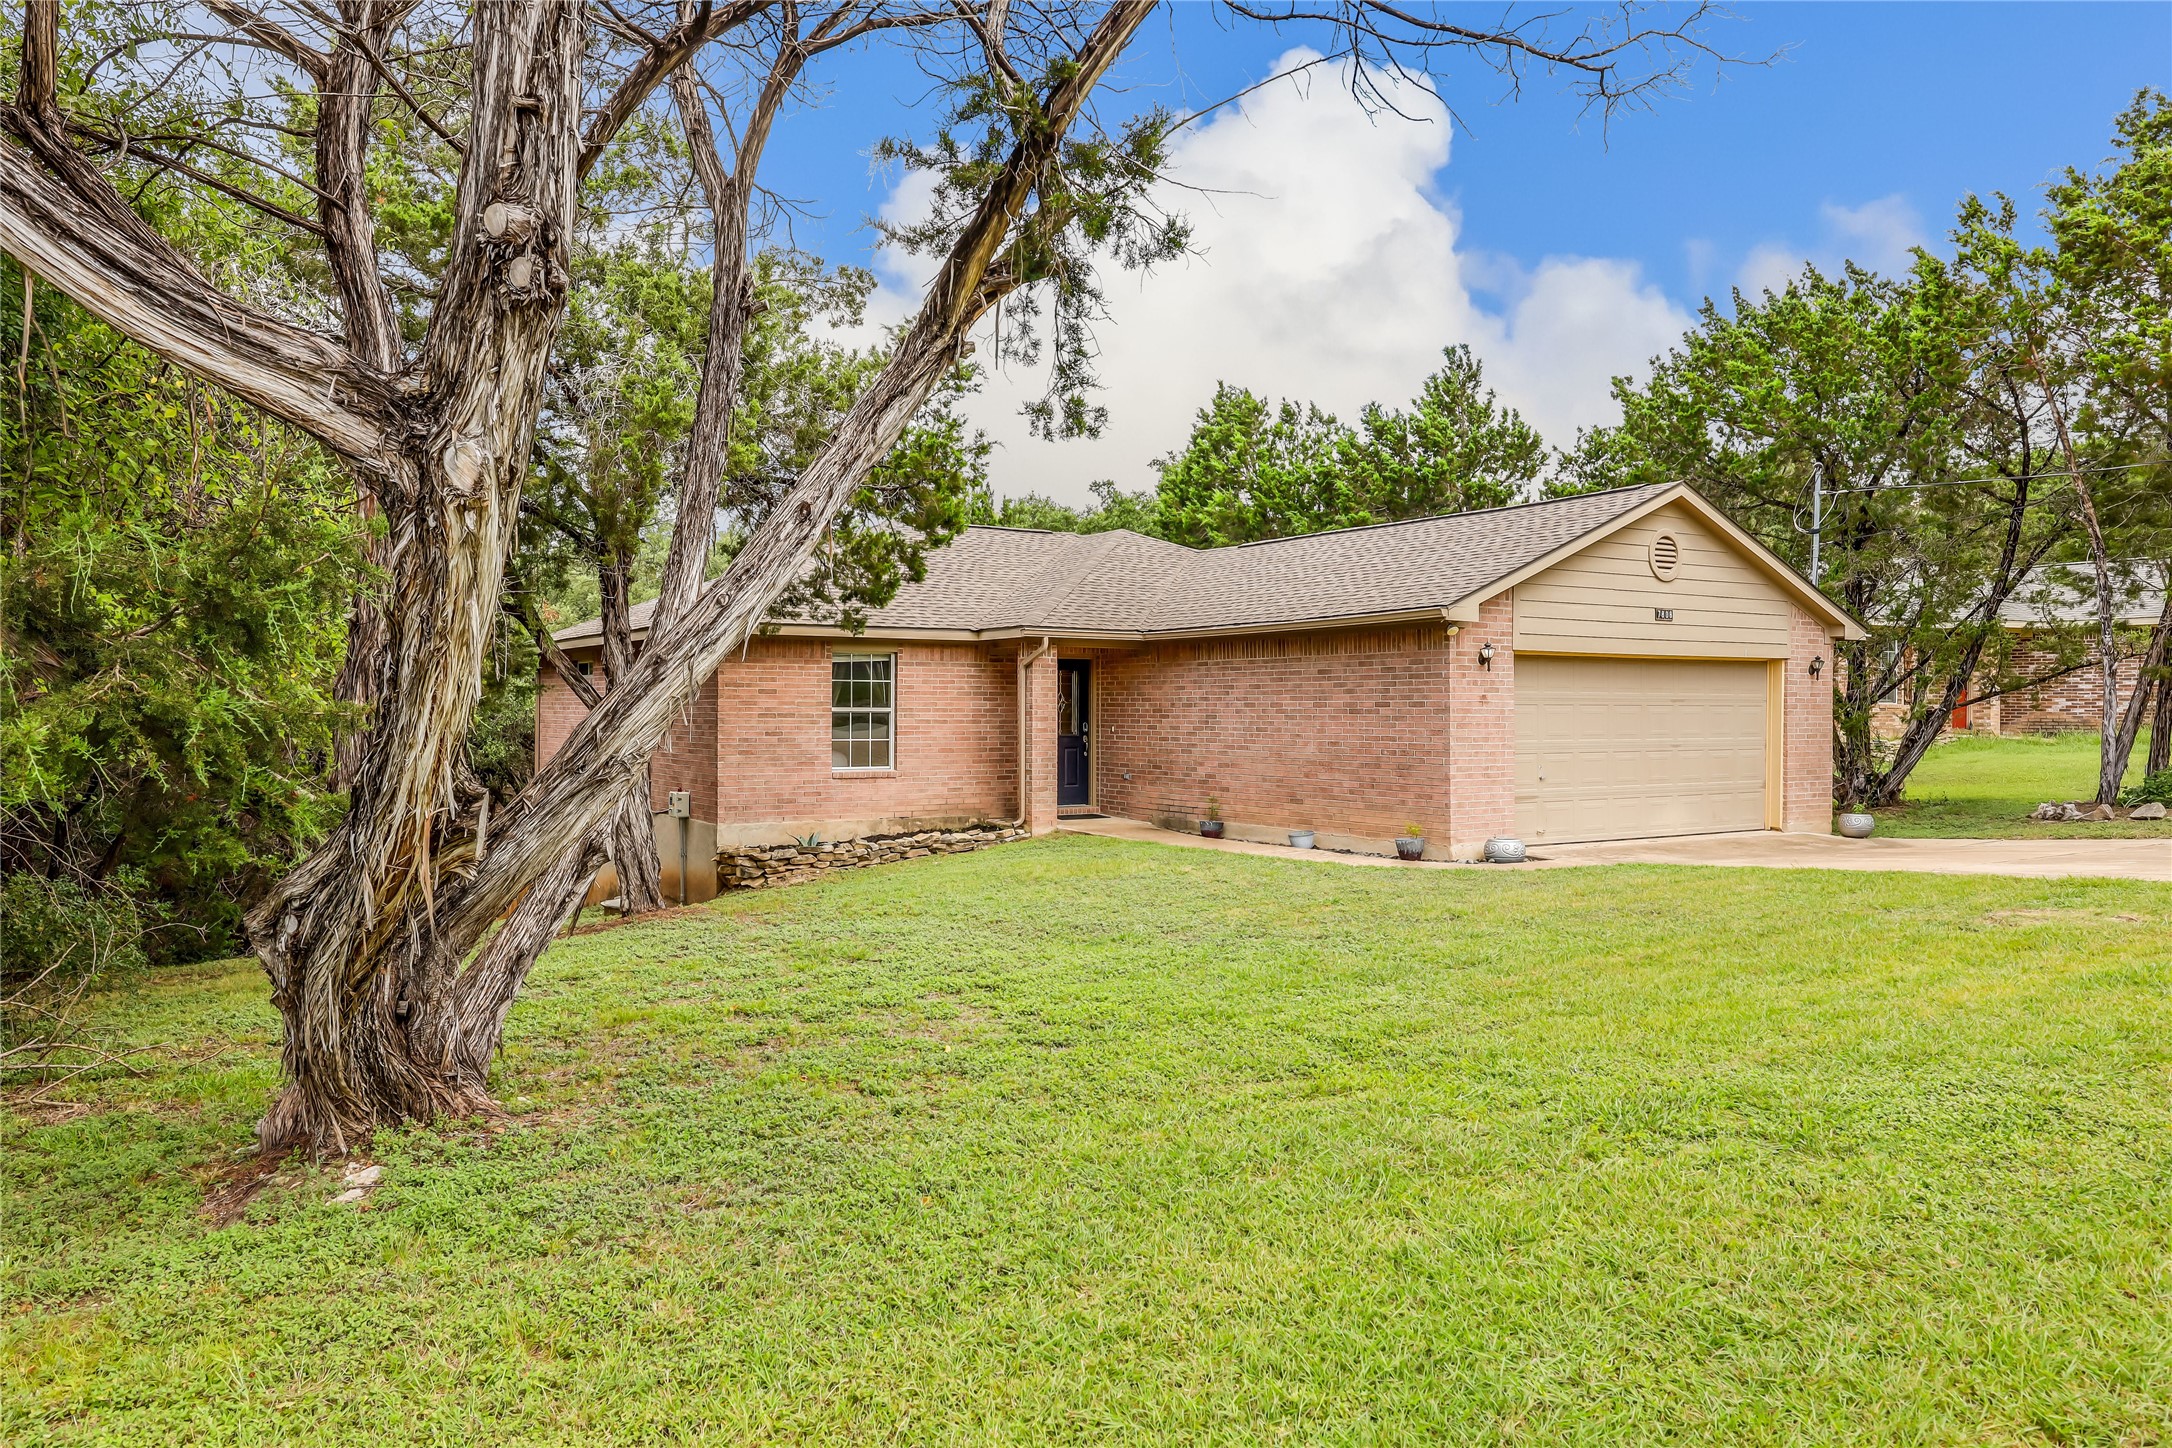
(888, 711)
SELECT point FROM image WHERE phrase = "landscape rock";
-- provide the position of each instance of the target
(361, 1175)
(2099, 814)
(755, 867)
(350, 1196)
(2150, 811)
(2053, 812)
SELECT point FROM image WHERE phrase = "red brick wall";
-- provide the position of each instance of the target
(557, 710)
(955, 755)
(1351, 733)
(755, 745)
(1806, 793)
(1482, 715)
(1345, 733)
(2073, 701)
(687, 758)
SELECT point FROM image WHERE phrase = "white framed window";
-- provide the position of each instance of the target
(863, 690)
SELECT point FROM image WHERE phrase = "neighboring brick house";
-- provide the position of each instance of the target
(2053, 613)
(2051, 630)
(1605, 666)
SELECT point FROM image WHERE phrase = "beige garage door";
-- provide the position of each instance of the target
(1616, 749)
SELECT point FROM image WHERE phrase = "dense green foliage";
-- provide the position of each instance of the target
(1253, 469)
(174, 601)
(1936, 410)
(1079, 1141)
(53, 934)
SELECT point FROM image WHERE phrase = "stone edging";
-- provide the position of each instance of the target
(754, 867)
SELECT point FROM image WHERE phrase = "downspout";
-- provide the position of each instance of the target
(1025, 725)
(1448, 766)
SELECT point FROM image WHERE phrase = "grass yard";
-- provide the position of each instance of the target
(1983, 787)
(1088, 1142)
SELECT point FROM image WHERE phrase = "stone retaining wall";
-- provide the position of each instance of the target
(751, 867)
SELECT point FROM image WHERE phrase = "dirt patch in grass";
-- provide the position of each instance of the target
(231, 1186)
(2064, 917)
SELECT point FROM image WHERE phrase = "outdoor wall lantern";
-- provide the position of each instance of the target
(1485, 656)
(1817, 666)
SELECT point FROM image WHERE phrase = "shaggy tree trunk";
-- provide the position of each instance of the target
(582, 781)
(2160, 729)
(2149, 672)
(387, 1027)
(361, 980)
(630, 839)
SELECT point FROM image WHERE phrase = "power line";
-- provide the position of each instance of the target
(1999, 478)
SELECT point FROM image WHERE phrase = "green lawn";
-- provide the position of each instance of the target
(1090, 1142)
(1972, 786)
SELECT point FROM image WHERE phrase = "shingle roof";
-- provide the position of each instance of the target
(2056, 593)
(1122, 582)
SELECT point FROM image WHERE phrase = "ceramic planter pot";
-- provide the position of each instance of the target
(1301, 839)
(1857, 826)
(1210, 829)
(1410, 847)
(1504, 850)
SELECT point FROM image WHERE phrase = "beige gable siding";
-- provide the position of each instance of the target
(1601, 600)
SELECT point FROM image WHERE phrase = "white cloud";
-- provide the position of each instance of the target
(1769, 268)
(1878, 234)
(1326, 269)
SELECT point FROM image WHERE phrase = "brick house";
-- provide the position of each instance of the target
(1607, 666)
(2041, 624)
(2051, 636)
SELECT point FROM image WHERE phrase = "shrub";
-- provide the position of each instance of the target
(59, 931)
(2156, 789)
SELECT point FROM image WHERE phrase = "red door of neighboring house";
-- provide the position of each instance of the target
(1959, 718)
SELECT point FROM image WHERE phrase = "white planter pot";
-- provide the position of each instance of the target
(1504, 850)
(1858, 826)
(1301, 839)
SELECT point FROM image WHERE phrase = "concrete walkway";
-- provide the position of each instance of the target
(1764, 849)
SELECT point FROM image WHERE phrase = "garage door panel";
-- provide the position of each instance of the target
(1620, 748)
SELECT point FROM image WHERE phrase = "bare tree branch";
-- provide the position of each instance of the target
(271, 36)
(136, 282)
(135, 147)
(650, 71)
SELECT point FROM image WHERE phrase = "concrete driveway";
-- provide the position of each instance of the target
(1760, 849)
(2035, 859)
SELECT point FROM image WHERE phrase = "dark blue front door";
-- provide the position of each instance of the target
(1074, 734)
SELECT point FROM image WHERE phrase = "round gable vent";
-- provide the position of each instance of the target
(1666, 557)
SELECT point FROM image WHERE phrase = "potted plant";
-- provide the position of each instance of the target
(1301, 839)
(1410, 844)
(1857, 822)
(1211, 826)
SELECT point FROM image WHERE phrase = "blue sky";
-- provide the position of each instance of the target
(1569, 252)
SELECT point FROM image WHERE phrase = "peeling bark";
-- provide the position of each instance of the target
(2160, 730)
(364, 980)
